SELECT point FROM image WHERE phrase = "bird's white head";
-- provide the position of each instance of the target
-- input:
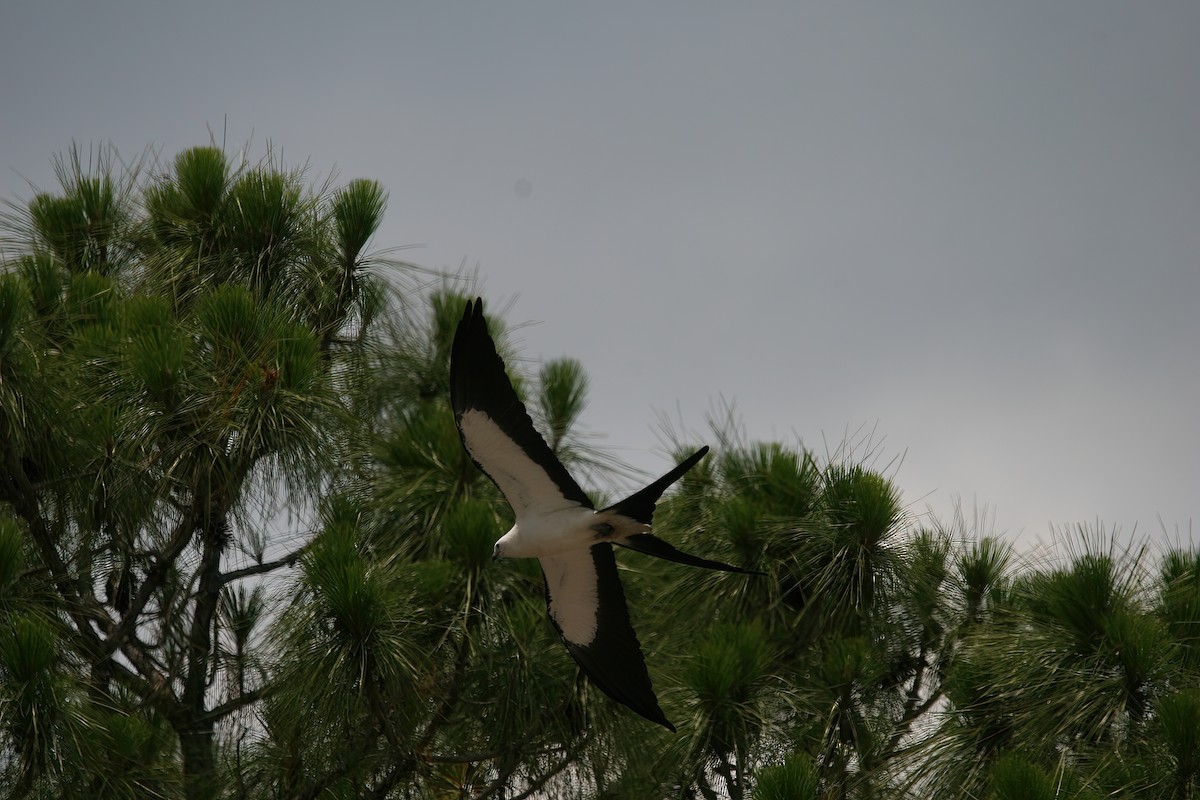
(505, 545)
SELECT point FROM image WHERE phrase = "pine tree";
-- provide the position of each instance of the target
(175, 359)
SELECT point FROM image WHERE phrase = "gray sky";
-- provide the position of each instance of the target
(970, 227)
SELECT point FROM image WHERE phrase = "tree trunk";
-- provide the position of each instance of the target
(196, 731)
(199, 767)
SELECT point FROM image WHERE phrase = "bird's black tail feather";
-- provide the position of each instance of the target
(640, 505)
(653, 546)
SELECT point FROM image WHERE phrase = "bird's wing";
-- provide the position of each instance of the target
(495, 428)
(587, 606)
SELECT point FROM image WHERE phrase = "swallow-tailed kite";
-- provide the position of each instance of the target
(557, 524)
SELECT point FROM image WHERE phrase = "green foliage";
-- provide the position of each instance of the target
(1179, 725)
(562, 399)
(357, 211)
(1075, 664)
(730, 674)
(33, 694)
(28, 655)
(13, 310)
(1180, 603)
(794, 779)
(158, 359)
(243, 553)
(162, 380)
(863, 504)
(981, 575)
(923, 580)
(12, 562)
(44, 281)
(468, 532)
(131, 755)
(86, 227)
(197, 192)
(265, 226)
(1014, 778)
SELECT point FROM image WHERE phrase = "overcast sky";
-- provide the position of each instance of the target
(973, 228)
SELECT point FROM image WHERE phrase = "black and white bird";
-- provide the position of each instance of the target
(556, 522)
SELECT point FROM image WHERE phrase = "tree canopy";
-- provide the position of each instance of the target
(243, 554)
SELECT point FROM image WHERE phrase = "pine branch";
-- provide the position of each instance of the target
(148, 681)
(463, 758)
(536, 785)
(153, 688)
(155, 577)
(241, 701)
(23, 496)
(914, 708)
(260, 569)
(733, 783)
(705, 789)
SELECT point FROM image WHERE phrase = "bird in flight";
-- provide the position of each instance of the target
(557, 524)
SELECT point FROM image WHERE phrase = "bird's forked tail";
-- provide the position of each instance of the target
(639, 506)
